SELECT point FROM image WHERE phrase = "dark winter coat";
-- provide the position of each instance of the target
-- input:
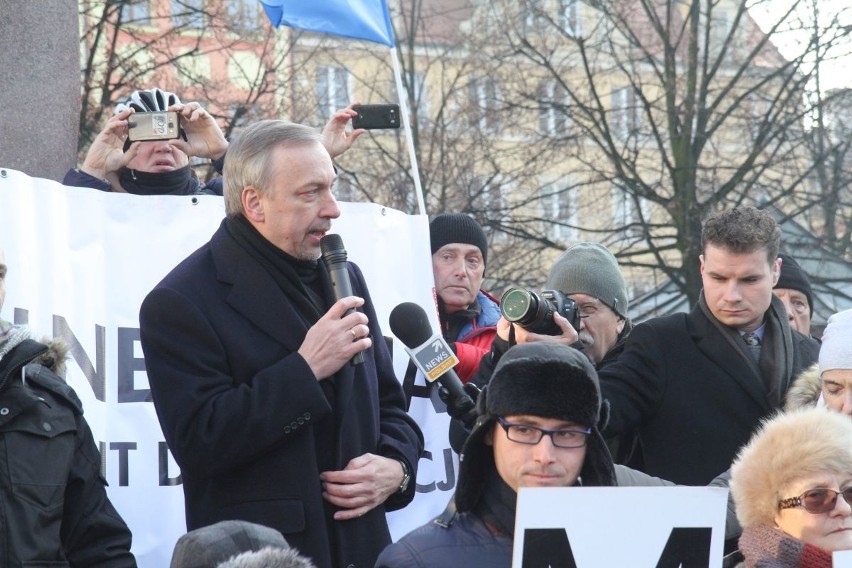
(692, 397)
(55, 510)
(240, 408)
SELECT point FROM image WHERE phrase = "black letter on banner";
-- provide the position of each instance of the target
(428, 487)
(123, 470)
(448, 469)
(165, 480)
(128, 365)
(547, 548)
(94, 373)
(687, 548)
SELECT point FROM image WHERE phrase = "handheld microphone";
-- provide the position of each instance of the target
(429, 352)
(334, 258)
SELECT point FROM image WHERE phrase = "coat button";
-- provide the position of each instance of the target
(4, 411)
(307, 415)
(47, 427)
(300, 421)
(293, 425)
(286, 429)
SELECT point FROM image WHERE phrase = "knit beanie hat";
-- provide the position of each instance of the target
(589, 268)
(794, 278)
(836, 349)
(457, 228)
(537, 379)
(208, 546)
(786, 448)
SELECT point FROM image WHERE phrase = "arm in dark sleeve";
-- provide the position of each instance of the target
(93, 533)
(399, 434)
(199, 406)
(79, 178)
(634, 384)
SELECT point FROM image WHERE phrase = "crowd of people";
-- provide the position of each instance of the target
(291, 454)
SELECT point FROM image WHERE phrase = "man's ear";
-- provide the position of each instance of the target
(701, 264)
(252, 205)
(489, 438)
(776, 271)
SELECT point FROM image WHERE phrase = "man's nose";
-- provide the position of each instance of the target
(545, 451)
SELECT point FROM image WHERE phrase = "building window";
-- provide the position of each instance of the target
(571, 15)
(553, 116)
(136, 12)
(625, 113)
(484, 98)
(332, 90)
(244, 15)
(559, 212)
(188, 13)
(628, 217)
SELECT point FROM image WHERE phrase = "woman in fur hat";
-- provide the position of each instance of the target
(792, 485)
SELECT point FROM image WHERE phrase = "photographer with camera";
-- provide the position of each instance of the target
(586, 292)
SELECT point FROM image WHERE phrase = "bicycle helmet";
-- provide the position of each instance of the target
(148, 100)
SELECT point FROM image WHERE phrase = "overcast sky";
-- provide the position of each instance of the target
(835, 73)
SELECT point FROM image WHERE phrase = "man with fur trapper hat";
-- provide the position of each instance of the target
(536, 426)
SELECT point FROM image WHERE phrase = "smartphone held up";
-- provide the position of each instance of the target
(153, 126)
(376, 117)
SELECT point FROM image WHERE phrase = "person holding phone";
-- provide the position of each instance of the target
(153, 166)
(160, 165)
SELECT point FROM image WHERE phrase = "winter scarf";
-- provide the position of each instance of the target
(767, 547)
(776, 356)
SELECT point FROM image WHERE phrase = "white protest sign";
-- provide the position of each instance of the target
(639, 527)
(842, 559)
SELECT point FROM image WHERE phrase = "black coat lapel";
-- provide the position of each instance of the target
(710, 342)
(254, 294)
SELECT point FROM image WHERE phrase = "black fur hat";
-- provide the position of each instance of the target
(538, 379)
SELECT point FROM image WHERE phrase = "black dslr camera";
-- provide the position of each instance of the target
(535, 313)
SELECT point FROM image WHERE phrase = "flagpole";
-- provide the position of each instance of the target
(406, 123)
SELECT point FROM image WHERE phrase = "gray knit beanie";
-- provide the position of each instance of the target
(449, 228)
(589, 268)
(836, 349)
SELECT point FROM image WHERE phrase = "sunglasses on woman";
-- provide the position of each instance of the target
(817, 500)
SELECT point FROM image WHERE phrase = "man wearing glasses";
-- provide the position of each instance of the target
(536, 426)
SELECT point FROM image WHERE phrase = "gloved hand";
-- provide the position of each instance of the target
(463, 409)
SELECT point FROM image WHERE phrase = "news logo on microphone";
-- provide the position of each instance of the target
(433, 358)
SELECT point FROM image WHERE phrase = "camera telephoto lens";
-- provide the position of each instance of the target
(518, 304)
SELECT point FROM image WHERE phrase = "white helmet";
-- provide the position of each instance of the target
(150, 100)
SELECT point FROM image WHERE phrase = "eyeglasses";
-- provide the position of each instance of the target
(531, 435)
(816, 500)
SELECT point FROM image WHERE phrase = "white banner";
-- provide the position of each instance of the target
(640, 527)
(80, 263)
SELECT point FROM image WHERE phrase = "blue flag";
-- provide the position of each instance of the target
(358, 19)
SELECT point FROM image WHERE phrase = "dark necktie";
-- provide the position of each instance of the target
(753, 342)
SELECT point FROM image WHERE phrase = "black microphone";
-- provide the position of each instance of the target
(409, 322)
(334, 258)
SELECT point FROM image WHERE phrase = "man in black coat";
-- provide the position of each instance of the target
(248, 356)
(696, 385)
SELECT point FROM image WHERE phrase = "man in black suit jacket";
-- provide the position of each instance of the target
(248, 356)
(691, 383)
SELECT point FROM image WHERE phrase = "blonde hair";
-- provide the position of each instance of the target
(788, 447)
